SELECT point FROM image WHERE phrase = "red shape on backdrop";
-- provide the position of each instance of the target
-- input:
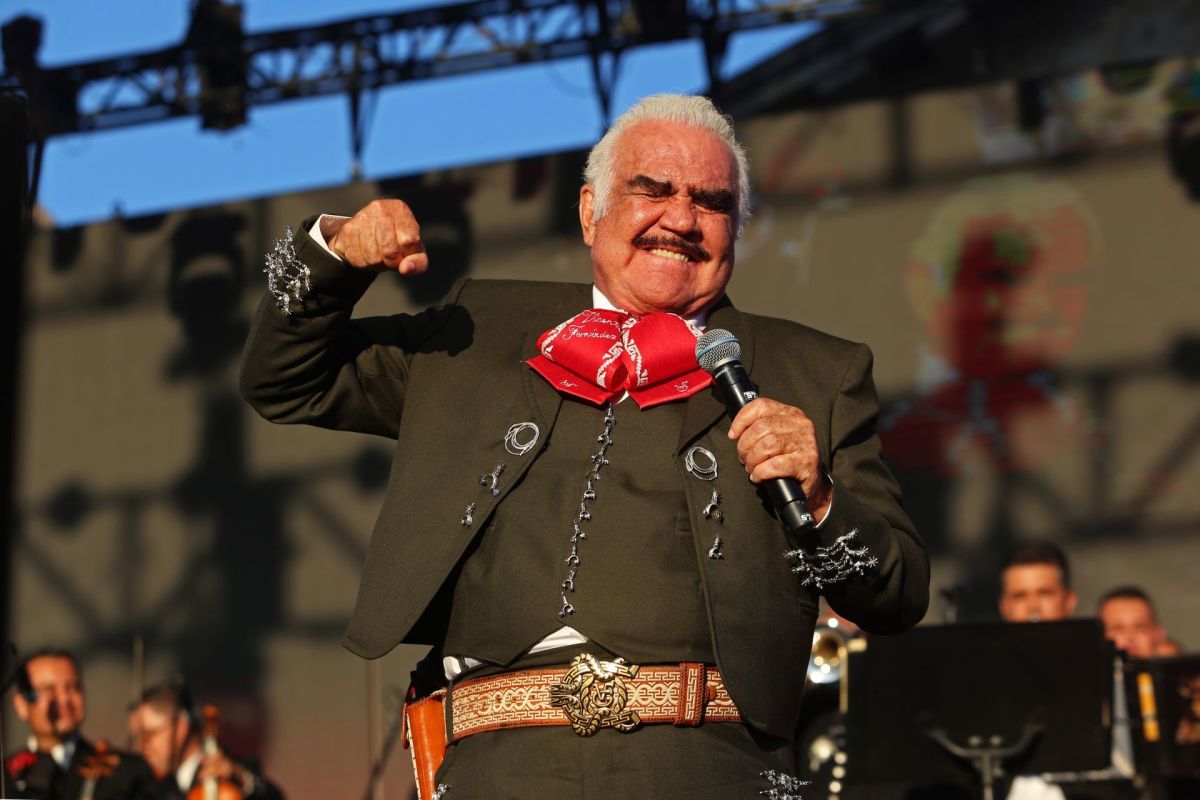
(1010, 306)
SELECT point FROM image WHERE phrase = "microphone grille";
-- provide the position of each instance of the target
(715, 347)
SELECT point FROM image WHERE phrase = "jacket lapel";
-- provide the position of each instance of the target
(544, 400)
(705, 409)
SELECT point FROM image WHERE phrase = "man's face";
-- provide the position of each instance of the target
(161, 737)
(666, 241)
(1035, 593)
(57, 708)
(1130, 623)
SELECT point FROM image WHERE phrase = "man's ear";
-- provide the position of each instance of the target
(22, 706)
(587, 209)
(1072, 601)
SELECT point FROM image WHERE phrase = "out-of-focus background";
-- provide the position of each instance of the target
(999, 198)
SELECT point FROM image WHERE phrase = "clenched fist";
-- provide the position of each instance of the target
(775, 440)
(383, 235)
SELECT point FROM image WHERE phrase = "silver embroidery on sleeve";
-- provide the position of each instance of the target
(783, 786)
(287, 276)
(439, 792)
(829, 565)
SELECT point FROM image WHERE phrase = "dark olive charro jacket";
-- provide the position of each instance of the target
(447, 383)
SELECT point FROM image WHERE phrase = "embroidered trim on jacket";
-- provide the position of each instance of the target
(287, 276)
(829, 565)
(783, 786)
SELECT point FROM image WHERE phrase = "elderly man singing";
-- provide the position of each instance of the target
(572, 523)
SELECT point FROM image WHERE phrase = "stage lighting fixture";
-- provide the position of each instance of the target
(660, 19)
(215, 37)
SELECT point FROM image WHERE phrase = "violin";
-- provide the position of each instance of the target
(99, 764)
(212, 788)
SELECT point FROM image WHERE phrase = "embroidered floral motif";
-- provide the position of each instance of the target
(829, 565)
(440, 792)
(783, 786)
(287, 276)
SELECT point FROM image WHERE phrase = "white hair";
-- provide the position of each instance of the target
(686, 109)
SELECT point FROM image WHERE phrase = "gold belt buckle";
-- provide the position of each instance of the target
(593, 695)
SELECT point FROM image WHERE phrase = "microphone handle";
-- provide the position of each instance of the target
(786, 495)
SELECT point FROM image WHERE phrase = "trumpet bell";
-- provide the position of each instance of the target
(828, 655)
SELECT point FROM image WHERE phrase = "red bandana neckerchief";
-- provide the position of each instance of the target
(598, 354)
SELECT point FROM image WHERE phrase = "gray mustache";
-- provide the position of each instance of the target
(693, 251)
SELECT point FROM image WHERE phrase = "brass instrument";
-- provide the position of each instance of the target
(828, 658)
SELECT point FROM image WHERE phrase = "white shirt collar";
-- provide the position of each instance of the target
(62, 753)
(602, 302)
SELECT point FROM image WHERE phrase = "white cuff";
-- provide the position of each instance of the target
(829, 507)
(319, 237)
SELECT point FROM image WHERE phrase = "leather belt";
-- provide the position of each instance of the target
(589, 695)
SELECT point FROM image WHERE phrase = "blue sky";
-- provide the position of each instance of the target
(305, 144)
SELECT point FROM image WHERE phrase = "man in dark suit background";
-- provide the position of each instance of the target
(169, 738)
(512, 557)
(58, 760)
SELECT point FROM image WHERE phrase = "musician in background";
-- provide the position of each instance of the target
(169, 737)
(58, 762)
(1035, 584)
(1131, 622)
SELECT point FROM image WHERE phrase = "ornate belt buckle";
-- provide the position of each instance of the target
(593, 694)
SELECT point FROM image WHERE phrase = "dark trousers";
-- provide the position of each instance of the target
(716, 761)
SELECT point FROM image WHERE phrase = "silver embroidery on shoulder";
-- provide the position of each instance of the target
(287, 276)
(826, 566)
(439, 792)
(783, 786)
(521, 437)
(701, 463)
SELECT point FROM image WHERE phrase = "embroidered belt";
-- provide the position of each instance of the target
(589, 695)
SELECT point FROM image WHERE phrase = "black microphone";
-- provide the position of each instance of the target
(720, 355)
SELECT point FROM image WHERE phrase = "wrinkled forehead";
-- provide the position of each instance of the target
(691, 156)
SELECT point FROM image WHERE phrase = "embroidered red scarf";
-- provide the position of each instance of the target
(599, 354)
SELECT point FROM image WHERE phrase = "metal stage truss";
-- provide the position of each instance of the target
(209, 75)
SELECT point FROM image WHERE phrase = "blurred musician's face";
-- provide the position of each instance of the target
(1130, 623)
(57, 708)
(161, 737)
(1035, 593)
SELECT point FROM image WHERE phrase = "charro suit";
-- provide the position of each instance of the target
(448, 383)
(126, 776)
